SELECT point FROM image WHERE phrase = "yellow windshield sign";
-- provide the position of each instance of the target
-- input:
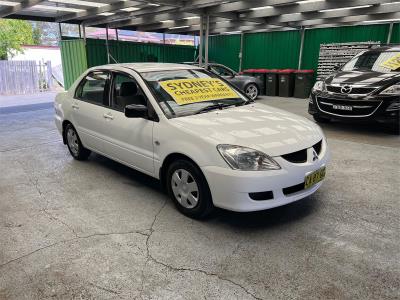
(186, 91)
(392, 63)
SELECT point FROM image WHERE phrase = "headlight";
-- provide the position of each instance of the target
(392, 90)
(247, 159)
(319, 86)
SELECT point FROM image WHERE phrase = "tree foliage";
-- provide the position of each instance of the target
(14, 34)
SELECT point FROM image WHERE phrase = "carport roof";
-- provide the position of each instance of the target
(183, 16)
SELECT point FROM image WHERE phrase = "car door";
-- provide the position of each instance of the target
(89, 108)
(129, 140)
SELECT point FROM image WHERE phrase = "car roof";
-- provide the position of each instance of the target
(147, 67)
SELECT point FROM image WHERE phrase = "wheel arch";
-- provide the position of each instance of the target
(168, 160)
(251, 82)
(64, 125)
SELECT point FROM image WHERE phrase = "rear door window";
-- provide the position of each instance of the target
(94, 88)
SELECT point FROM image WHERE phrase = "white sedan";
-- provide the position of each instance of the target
(208, 144)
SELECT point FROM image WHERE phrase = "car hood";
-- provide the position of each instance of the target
(362, 78)
(261, 127)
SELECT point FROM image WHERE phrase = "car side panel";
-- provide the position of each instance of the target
(88, 120)
(130, 140)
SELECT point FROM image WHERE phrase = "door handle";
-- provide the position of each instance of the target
(74, 106)
(107, 116)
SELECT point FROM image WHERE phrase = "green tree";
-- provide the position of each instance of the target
(14, 34)
(37, 36)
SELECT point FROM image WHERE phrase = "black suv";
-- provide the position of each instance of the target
(366, 88)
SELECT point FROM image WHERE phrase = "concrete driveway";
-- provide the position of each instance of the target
(99, 230)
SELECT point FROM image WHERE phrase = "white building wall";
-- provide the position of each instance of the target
(40, 54)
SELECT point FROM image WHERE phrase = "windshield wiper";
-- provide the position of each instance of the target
(213, 107)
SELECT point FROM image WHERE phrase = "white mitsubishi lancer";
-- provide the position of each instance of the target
(208, 144)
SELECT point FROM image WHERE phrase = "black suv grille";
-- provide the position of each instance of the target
(354, 90)
(301, 156)
(359, 108)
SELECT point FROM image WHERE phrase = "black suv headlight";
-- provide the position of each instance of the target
(319, 86)
(392, 90)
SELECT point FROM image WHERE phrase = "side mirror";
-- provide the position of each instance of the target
(136, 111)
(336, 67)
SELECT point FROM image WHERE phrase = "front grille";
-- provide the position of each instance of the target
(293, 189)
(318, 147)
(354, 90)
(359, 108)
(296, 157)
(299, 157)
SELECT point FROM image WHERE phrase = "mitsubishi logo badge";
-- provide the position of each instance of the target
(346, 89)
(315, 155)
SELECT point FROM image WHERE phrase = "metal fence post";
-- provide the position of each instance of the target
(241, 52)
(390, 33)
(301, 48)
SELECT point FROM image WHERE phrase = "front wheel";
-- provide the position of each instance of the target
(189, 190)
(252, 91)
(74, 144)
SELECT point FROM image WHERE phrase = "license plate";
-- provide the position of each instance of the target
(343, 107)
(314, 178)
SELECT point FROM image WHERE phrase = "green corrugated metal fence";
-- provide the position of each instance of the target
(121, 51)
(278, 49)
(225, 49)
(396, 34)
(73, 56)
(281, 49)
(260, 50)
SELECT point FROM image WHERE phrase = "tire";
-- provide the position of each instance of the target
(320, 119)
(74, 144)
(252, 91)
(188, 189)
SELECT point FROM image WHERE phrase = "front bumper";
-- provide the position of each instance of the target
(231, 189)
(378, 113)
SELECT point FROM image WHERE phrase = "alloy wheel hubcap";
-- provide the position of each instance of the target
(72, 140)
(252, 91)
(185, 188)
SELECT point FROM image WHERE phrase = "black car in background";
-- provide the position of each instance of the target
(366, 88)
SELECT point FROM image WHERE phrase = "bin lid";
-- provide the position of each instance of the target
(249, 71)
(286, 71)
(304, 71)
(260, 71)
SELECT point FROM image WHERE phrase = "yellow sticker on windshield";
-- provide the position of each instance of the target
(392, 63)
(186, 91)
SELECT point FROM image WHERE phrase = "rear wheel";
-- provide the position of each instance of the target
(74, 144)
(320, 119)
(252, 91)
(188, 189)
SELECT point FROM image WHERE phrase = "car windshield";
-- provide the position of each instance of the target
(187, 92)
(378, 61)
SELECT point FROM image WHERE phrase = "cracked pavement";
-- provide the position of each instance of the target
(99, 230)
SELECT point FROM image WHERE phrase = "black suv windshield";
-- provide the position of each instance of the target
(199, 83)
(378, 61)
